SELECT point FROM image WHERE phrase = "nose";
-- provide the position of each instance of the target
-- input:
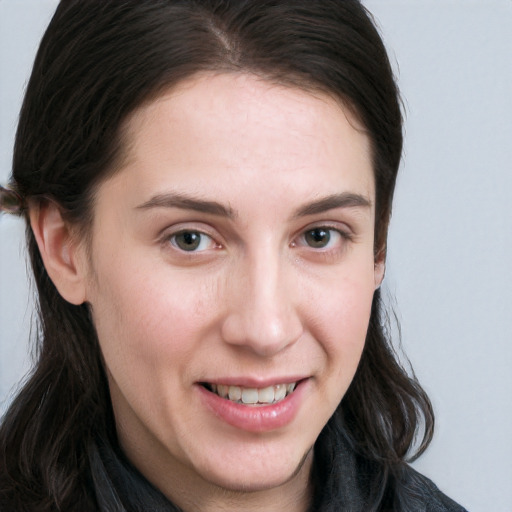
(262, 315)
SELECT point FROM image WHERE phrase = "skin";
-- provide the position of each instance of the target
(254, 302)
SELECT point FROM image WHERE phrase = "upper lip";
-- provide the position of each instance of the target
(254, 382)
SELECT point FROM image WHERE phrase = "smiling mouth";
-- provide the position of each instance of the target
(252, 396)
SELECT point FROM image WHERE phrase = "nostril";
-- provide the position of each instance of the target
(265, 332)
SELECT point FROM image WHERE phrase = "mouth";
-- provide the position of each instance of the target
(252, 396)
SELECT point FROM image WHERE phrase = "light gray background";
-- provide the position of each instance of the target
(450, 255)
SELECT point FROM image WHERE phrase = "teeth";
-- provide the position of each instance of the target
(280, 392)
(222, 390)
(250, 396)
(235, 393)
(266, 395)
(253, 396)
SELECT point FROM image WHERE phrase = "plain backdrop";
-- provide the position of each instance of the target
(450, 250)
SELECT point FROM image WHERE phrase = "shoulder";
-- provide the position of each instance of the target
(417, 492)
(345, 479)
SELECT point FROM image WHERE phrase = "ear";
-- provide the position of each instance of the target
(59, 251)
(379, 267)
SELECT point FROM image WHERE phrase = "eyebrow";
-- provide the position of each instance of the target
(186, 202)
(343, 200)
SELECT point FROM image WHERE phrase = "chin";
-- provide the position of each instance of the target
(260, 475)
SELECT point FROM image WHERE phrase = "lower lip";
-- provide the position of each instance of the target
(262, 418)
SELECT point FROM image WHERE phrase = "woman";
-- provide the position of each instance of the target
(208, 186)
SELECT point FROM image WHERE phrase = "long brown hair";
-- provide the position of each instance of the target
(99, 60)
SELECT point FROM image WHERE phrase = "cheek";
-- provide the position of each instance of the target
(144, 318)
(342, 305)
(339, 317)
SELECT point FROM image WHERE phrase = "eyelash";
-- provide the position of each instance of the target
(191, 233)
(340, 236)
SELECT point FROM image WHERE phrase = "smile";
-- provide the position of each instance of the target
(252, 408)
(252, 396)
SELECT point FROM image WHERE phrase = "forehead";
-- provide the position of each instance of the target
(223, 131)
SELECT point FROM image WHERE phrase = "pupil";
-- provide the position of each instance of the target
(318, 238)
(188, 241)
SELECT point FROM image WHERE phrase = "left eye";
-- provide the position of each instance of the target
(321, 238)
(191, 241)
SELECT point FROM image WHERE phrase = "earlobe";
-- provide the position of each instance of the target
(379, 268)
(59, 251)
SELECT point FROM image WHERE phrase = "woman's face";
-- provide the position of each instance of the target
(232, 262)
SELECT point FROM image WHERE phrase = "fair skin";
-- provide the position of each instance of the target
(234, 248)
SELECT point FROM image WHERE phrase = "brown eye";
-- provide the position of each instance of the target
(191, 241)
(318, 238)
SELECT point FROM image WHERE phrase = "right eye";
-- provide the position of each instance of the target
(320, 238)
(192, 241)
